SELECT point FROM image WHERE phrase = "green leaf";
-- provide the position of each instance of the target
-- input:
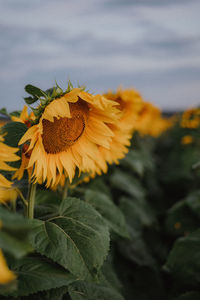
(77, 238)
(134, 161)
(30, 100)
(109, 211)
(13, 245)
(189, 296)
(34, 91)
(14, 132)
(184, 260)
(36, 274)
(180, 219)
(15, 113)
(193, 202)
(128, 184)
(14, 233)
(137, 215)
(3, 111)
(98, 184)
(90, 291)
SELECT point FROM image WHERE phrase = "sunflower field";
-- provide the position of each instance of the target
(99, 198)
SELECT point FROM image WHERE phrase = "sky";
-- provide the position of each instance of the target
(150, 45)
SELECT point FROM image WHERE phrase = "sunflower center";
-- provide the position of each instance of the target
(64, 132)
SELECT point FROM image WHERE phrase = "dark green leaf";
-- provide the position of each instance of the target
(14, 132)
(3, 111)
(189, 296)
(91, 291)
(109, 211)
(128, 184)
(134, 161)
(30, 100)
(184, 259)
(35, 274)
(181, 220)
(34, 91)
(14, 233)
(77, 238)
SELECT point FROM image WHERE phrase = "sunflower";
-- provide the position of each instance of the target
(187, 139)
(191, 118)
(7, 154)
(151, 122)
(130, 103)
(6, 275)
(24, 117)
(68, 134)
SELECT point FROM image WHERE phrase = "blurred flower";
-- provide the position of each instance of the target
(130, 104)
(191, 118)
(187, 139)
(7, 154)
(69, 132)
(151, 122)
(24, 117)
(6, 275)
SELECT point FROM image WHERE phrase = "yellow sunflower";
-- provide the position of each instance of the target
(25, 156)
(151, 122)
(69, 132)
(191, 118)
(130, 104)
(187, 139)
(6, 275)
(24, 117)
(7, 154)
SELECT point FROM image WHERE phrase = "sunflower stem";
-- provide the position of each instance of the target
(65, 190)
(31, 200)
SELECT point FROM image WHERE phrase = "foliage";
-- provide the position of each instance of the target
(132, 233)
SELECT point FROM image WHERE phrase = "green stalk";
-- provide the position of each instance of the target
(31, 200)
(65, 190)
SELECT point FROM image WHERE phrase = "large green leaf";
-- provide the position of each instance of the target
(91, 291)
(36, 274)
(184, 259)
(77, 239)
(109, 211)
(14, 233)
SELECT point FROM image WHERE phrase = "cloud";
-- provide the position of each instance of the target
(102, 43)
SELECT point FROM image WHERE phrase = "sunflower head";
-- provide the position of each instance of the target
(130, 103)
(187, 139)
(68, 134)
(191, 118)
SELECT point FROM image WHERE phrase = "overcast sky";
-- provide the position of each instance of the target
(151, 45)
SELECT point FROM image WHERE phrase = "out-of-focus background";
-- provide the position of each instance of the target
(152, 45)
